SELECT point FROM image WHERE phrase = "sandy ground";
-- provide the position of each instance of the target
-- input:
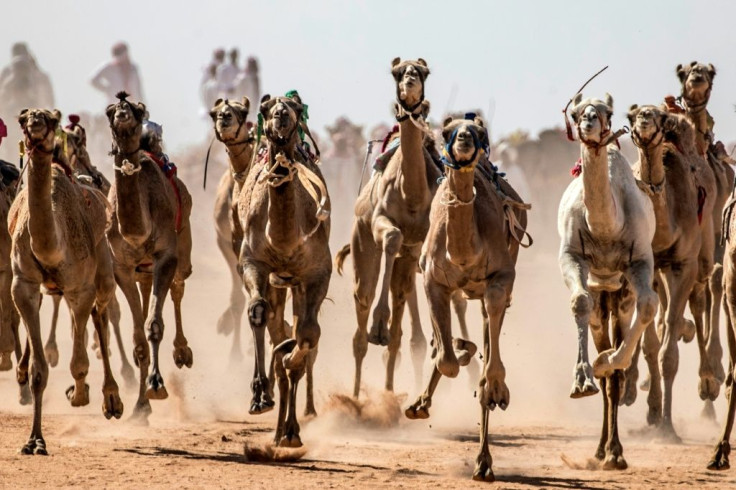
(196, 438)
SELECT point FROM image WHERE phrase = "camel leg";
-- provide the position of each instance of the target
(282, 380)
(366, 265)
(600, 318)
(51, 349)
(27, 297)
(402, 283)
(496, 299)
(418, 342)
(390, 236)
(708, 387)
(229, 320)
(22, 357)
(113, 313)
(631, 376)
(125, 279)
(650, 345)
(460, 305)
(80, 304)
(182, 352)
(575, 272)
(278, 329)
(483, 470)
(164, 269)
(309, 410)
(639, 276)
(7, 337)
(438, 296)
(678, 283)
(255, 279)
(307, 299)
(719, 460)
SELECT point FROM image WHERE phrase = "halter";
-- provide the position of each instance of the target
(241, 121)
(448, 158)
(409, 111)
(607, 137)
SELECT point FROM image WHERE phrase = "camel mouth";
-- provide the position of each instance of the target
(37, 128)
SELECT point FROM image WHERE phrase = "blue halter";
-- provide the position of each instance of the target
(448, 159)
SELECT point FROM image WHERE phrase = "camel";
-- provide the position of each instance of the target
(86, 173)
(284, 213)
(9, 319)
(391, 220)
(469, 248)
(719, 460)
(239, 139)
(682, 190)
(606, 225)
(58, 243)
(151, 242)
(697, 82)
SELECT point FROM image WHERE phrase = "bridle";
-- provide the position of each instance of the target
(646, 185)
(606, 135)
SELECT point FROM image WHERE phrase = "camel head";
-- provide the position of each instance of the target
(281, 117)
(346, 137)
(410, 76)
(39, 127)
(126, 118)
(466, 140)
(592, 117)
(229, 118)
(649, 124)
(697, 81)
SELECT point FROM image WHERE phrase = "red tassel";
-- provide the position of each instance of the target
(577, 169)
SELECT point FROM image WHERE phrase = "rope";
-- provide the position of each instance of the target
(508, 209)
(568, 128)
(368, 151)
(451, 200)
(127, 168)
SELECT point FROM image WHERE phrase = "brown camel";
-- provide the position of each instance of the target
(391, 220)
(9, 318)
(231, 129)
(86, 173)
(682, 191)
(606, 225)
(151, 241)
(58, 230)
(284, 213)
(469, 248)
(719, 460)
(697, 83)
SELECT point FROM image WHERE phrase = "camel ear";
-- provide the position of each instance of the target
(478, 121)
(55, 117)
(633, 111)
(421, 65)
(246, 103)
(447, 121)
(266, 103)
(217, 102)
(577, 99)
(395, 62)
(681, 73)
(139, 110)
(23, 117)
(608, 100)
(110, 112)
(711, 70)
(425, 108)
(669, 122)
(693, 63)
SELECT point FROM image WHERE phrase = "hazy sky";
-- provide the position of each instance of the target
(522, 58)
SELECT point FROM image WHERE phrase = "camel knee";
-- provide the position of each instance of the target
(669, 358)
(646, 306)
(581, 304)
(308, 332)
(39, 374)
(360, 345)
(392, 241)
(716, 278)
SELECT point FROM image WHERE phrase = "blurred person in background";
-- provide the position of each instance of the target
(248, 83)
(23, 84)
(118, 74)
(227, 75)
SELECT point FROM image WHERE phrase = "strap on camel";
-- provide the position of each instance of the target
(509, 205)
(727, 215)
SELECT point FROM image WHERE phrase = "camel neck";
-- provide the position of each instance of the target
(240, 156)
(413, 179)
(601, 208)
(45, 241)
(700, 121)
(651, 164)
(133, 217)
(462, 240)
(282, 229)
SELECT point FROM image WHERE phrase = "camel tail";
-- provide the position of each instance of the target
(340, 257)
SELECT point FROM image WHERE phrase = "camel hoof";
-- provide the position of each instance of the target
(615, 463)
(708, 388)
(78, 399)
(719, 461)
(629, 392)
(156, 389)
(310, 412)
(645, 383)
(35, 446)
(379, 334)
(128, 375)
(183, 356)
(112, 406)
(464, 350)
(6, 362)
(419, 410)
(602, 366)
(292, 441)
(654, 416)
(260, 407)
(483, 471)
(52, 354)
(496, 393)
(25, 397)
(141, 412)
(687, 331)
(583, 383)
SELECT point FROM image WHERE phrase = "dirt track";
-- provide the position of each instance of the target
(196, 437)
